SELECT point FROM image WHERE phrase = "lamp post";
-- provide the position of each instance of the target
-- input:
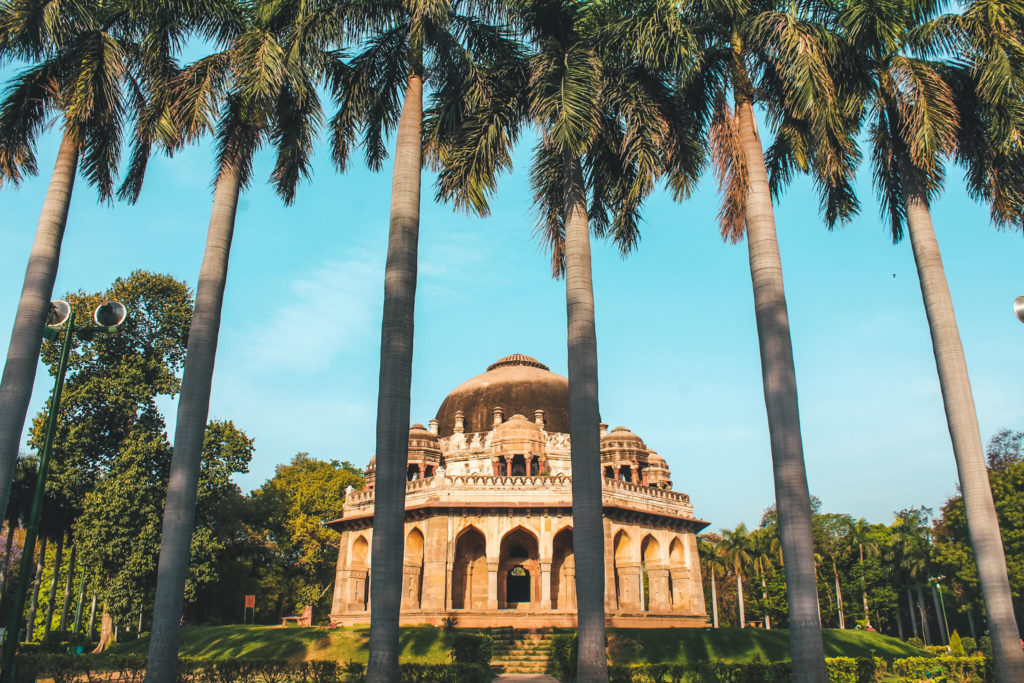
(108, 317)
(1018, 308)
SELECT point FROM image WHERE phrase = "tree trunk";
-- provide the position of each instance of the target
(714, 600)
(839, 597)
(792, 498)
(910, 612)
(584, 430)
(982, 522)
(92, 618)
(193, 409)
(939, 616)
(58, 559)
(30, 623)
(33, 308)
(396, 345)
(899, 619)
(970, 623)
(107, 633)
(739, 599)
(864, 586)
(764, 598)
(925, 629)
(6, 564)
(68, 587)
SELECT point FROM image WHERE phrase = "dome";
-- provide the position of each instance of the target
(418, 431)
(621, 435)
(656, 460)
(517, 384)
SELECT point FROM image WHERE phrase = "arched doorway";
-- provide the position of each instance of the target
(469, 573)
(359, 575)
(653, 575)
(563, 571)
(412, 570)
(677, 572)
(627, 573)
(518, 570)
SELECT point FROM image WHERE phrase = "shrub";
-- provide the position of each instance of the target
(444, 673)
(985, 645)
(915, 642)
(964, 669)
(956, 646)
(854, 670)
(449, 623)
(472, 648)
(970, 645)
(563, 656)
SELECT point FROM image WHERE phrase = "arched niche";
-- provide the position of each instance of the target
(677, 573)
(650, 554)
(412, 575)
(563, 571)
(518, 570)
(359, 575)
(628, 585)
(469, 571)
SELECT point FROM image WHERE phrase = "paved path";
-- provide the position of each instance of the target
(524, 678)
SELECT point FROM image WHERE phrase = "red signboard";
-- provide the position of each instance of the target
(250, 601)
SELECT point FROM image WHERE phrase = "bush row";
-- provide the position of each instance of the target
(132, 669)
(963, 669)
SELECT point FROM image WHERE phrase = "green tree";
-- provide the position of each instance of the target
(262, 87)
(736, 551)
(860, 535)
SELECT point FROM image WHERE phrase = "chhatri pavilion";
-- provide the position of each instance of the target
(488, 521)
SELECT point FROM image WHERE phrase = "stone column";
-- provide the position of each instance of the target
(529, 460)
(338, 600)
(615, 471)
(497, 467)
(542, 464)
(508, 465)
(433, 426)
(610, 603)
(657, 582)
(633, 477)
(423, 470)
(499, 416)
(538, 417)
(460, 422)
(436, 568)
(545, 584)
(643, 477)
(680, 578)
(492, 585)
(630, 587)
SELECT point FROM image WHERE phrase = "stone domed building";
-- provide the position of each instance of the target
(489, 517)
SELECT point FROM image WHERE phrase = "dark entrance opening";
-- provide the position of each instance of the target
(517, 585)
(519, 465)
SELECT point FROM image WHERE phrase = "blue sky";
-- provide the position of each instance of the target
(298, 358)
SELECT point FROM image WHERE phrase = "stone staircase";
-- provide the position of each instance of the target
(520, 651)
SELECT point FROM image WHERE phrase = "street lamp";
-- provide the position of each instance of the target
(1018, 308)
(108, 317)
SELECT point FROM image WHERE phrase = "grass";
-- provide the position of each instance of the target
(663, 646)
(425, 644)
(421, 644)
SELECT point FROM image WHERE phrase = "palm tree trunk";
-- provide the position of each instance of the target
(839, 597)
(396, 344)
(764, 599)
(33, 307)
(58, 559)
(792, 498)
(943, 632)
(6, 564)
(864, 586)
(30, 623)
(910, 612)
(970, 623)
(714, 600)
(584, 431)
(193, 408)
(899, 619)
(739, 596)
(68, 587)
(924, 616)
(982, 522)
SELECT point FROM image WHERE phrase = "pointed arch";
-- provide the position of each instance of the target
(519, 569)
(412, 571)
(469, 570)
(563, 570)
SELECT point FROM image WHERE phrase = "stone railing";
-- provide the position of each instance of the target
(649, 491)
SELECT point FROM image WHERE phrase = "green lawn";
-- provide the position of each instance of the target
(419, 643)
(425, 644)
(654, 646)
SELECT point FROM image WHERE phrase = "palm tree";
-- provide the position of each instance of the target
(775, 51)
(404, 44)
(737, 553)
(711, 560)
(860, 535)
(914, 113)
(262, 87)
(596, 90)
(761, 549)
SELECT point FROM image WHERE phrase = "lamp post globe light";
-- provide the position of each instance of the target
(1018, 308)
(108, 317)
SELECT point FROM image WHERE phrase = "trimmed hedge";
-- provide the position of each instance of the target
(965, 669)
(131, 669)
(471, 648)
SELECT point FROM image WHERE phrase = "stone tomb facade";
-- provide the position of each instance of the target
(488, 525)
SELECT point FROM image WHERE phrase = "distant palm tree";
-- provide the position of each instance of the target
(597, 87)
(262, 87)
(711, 562)
(762, 551)
(737, 553)
(860, 535)
(98, 69)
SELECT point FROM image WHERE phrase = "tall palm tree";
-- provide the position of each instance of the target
(860, 535)
(98, 68)
(911, 102)
(404, 45)
(596, 89)
(262, 87)
(775, 54)
(737, 551)
(761, 549)
(711, 562)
